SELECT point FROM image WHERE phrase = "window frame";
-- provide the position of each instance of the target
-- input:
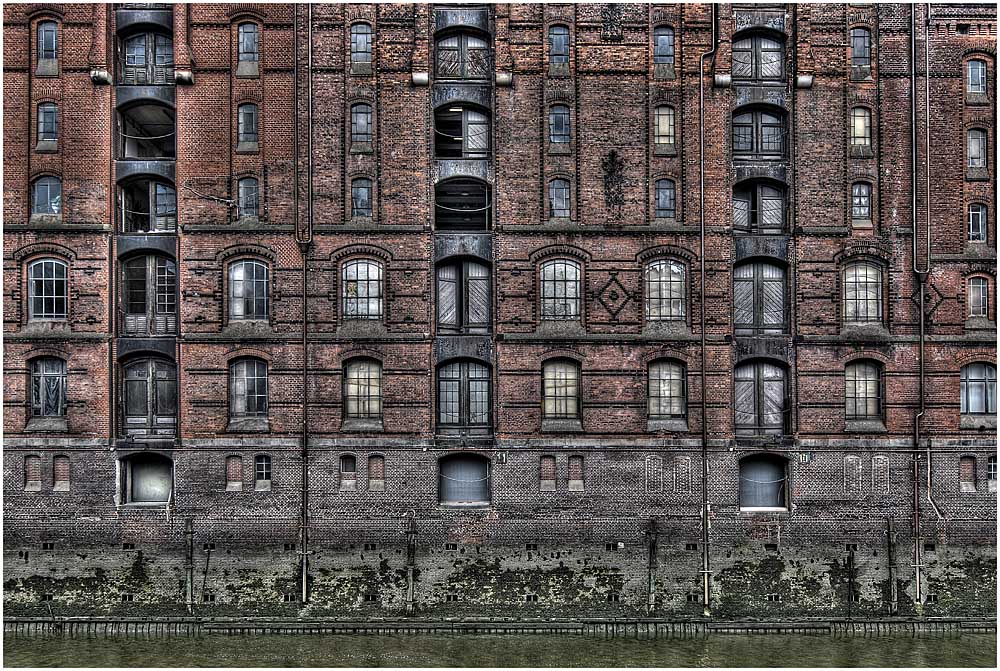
(780, 463)
(665, 54)
(874, 374)
(262, 472)
(47, 129)
(759, 129)
(668, 187)
(247, 198)
(153, 422)
(978, 219)
(759, 281)
(560, 115)
(549, 298)
(671, 366)
(864, 58)
(357, 48)
(560, 188)
(39, 391)
(756, 194)
(52, 204)
(562, 56)
(256, 284)
(861, 204)
(245, 35)
(971, 87)
(348, 313)
(367, 403)
(358, 186)
(977, 137)
(362, 118)
(756, 51)
(860, 291)
(470, 67)
(989, 384)
(47, 27)
(467, 395)
(978, 309)
(759, 427)
(463, 280)
(666, 292)
(571, 402)
(54, 314)
(664, 138)
(248, 124)
(240, 392)
(864, 140)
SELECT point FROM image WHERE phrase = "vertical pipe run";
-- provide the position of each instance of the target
(304, 248)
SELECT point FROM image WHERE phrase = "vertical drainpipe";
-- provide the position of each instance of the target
(920, 278)
(705, 566)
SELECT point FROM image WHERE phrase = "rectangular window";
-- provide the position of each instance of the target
(861, 127)
(560, 290)
(248, 123)
(48, 122)
(32, 473)
(361, 198)
(979, 297)
(561, 390)
(47, 40)
(977, 148)
(248, 42)
(663, 133)
(967, 474)
(977, 223)
(262, 472)
(861, 201)
(361, 123)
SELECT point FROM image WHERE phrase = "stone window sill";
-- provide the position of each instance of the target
(361, 148)
(980, 249)
(666, 328)
(361, 328)
(562, 426)
(60, 487)
(979, 324)
(660, 149)
(262, 486)
(575, 485)
(361, 68)
(376, 485)
(864, 426)
(361, 425)
(862, 151)
(47, 67)
(663, 71)
(764, 509)
(47, 147)
(547, 486)
(45, 220)
(667, 222)
(977, 174)
(558, 69)
(47, 425)
(560, 328)
(247, 147)
(977, 422)
(241, 328)
(465, 504)
(248, 425)
(559, 221)
(864, 331)
(234, 486)
(862, 223)
(861, 73)
(33, 486)
(559, 148)
(247, 221)
(247, 69)
(348, 485)
(977, 99)
(667, 425)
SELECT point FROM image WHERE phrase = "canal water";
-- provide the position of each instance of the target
(472, 650)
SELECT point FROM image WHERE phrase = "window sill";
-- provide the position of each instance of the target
(864, 331)
(47, 147)
(664, 149)
(362, 425)
(980, 249)
(361, 68)
(667, 425)
(558, 69)
(246, 328)
(977, 174)
(262, 486)
(978, 422)
(575, 485)
(764, 509)
(562, 426)
(861, 73)
(663, 71)
(348, 486)
(980, 324)
(146, 505)
(234, 486)
(361, 222)
(361, 148)
(977, 99)
(376, 485)
(560, 328)
(361, 328)
(46, 425)
(249, 425)
(60, 487)
(33, 486)
(559, 221)
(861, 151)
(247, 147)
(864, 426)
(40, 220)
(547, 486)
(247, 222)
(247, 69)
(560, 149)
(47, 67)
(464, 504)
(862, 223)
(666, 328)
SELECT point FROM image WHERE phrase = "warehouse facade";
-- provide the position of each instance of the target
(424, 309)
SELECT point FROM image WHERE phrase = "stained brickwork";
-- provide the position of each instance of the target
(600, 516)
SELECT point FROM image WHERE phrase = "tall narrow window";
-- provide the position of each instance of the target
(48, 387)
(48, 122)
(248, 42)
(862, 292)
(559, 124)
(666, 199)
(759, 133)
(979, 297)
(248, 388)
(558, 45)
(861, 51)
(463, 56)
(991, 474)
(977, 223)
(975, 82)
(575, 473)
(560, 390)
(663, 126)
(362, 289)
(863, 391)
(663, 46)
(977, 148)
(861, 201)
(262, 472)
(463, 395)
(376, 473)
(234, 473)
(559, 198)
(759, 299)
(150, 397)
(249, 198)
(758, 57)
(363, 389)
(759, 208)
(361, 197)
(463, 297)
(248, 290)
(547, 473)
(248, 124)
(32, 473)
(361, 44)
(666, 291)
(760, 399)
(348, 473)
(150, 295)
(861, 127)
(763, 480)
(47, 289)
(60, 473)
(979, 389)
(47, 196)
(667, 395)
(560, 281)
(361, 123)
(48, 40)
(967, 473)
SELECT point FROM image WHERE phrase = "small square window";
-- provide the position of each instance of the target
(208, 546)
(208, 597)
(852, 547)
(530, 546)
(451, 597)
(289, 597)
(691, 546)
(451, 546)
(128, 546)
(47, 597)
(128, 598)
(48, 546)
(370, 546)
(531, 598)
(289, 547)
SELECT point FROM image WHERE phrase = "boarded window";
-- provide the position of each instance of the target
(880, 474)
(967, 474)
(60, 473)
(464, 479)
(763, 480)
(32, 473)
(682, 474)
(234, 473)
(654, 474)
(376, 473)
(575, 473)
(760, 399)
(547, 473)
(852, 474)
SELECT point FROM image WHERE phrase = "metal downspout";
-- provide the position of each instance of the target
(705, 565)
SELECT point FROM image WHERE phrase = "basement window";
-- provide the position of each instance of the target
(208, 597)
(451, 597)
(531, 598)
(128, 598)
(289, 597)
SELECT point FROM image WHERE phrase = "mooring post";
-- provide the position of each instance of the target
(891, 550)
(653, 534)
(189, 564)
(411, 556)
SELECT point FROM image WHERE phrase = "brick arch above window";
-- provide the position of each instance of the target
(43, 351)
(563, 353)
(361, 251)
(665, 252)
(856, 356)
(28, 252)
(860, 250)
(553, 251)
(985, 50)
(372, 353)
(247, 352)
(249, 97)
(666, 354)
(229, 254)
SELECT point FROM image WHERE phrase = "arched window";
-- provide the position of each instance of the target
(759, 208)
(463, 394)
(463, 297)
(559, 198)
(248, 388)
(149, 295)
(361, 197)
(47, 196)
(759, 132)
(462, 204)
(32, 473)
(48, 289)
(376, 473)
(975, 81)
(248, 290)
(861, 52)
(361, 123)
(863, 390)
(363, 389)
(48, 41)
(561, 398)
(247, 122)
(361, 44)
(663, 126)
(666, 199)
(667, 395)
(248, 43)
(559, 128)
(48, 387)
(147, 58)
(760, 399)
(763, 482)
(464, 479)
(666, 291)
(560, 280)
(262, 472)
(977, 148)
(758, 57)
(663, 45)
(348, 473)
(861, 127)
(979, 389)
(150, 397)
(979, 297)
(978, 223)
(461, 131)
(148, 479)
(234, 473)
(48, 122)
(362, 289)
(759, 298)
(558, 45)
(249, 197)
(861, 201)
(148, 206)
(463, 56)
(862, 292)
